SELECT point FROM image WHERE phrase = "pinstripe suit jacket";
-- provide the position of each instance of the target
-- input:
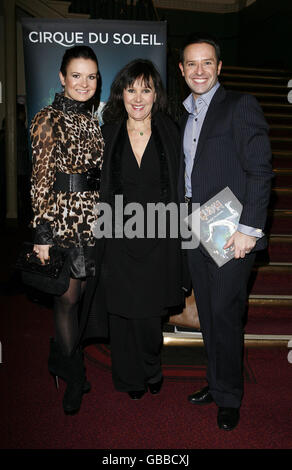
(233, 150)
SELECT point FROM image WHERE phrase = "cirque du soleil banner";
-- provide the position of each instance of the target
(115, 43)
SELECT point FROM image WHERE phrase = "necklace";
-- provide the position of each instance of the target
(138, 131)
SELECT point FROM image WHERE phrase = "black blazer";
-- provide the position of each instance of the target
(233, 150)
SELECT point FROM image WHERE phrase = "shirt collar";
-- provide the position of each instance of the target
(189, 102)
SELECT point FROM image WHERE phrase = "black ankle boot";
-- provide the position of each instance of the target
(76, 383)
(71, 369)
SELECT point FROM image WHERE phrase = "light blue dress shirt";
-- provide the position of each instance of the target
(197, 110)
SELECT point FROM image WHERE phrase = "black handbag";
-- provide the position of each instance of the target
(51, 278)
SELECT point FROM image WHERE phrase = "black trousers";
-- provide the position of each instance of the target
(221, 295)
(135, 351)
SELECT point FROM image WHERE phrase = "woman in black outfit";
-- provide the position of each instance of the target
(142, 276)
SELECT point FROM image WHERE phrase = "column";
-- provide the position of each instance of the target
(10, 91)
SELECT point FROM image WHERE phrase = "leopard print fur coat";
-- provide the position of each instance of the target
(66, 138)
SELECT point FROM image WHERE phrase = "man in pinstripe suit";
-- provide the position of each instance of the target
(224, 143)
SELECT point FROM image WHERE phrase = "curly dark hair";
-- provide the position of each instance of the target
(114, 110)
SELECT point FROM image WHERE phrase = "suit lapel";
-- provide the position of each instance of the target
(181, 179)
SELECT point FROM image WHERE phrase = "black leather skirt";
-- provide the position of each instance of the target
(82, 261)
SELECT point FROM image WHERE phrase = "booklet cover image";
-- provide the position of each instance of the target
(219, 219)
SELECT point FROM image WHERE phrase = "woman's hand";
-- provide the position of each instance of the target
(42, 252)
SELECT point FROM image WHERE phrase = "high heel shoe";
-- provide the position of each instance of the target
(56, 380)
(71, 369)
(86, 387)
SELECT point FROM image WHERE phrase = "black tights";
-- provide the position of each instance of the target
(66, 310)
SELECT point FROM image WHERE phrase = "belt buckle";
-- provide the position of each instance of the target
(188, 200)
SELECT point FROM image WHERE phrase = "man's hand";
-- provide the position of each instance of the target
(241, 244)
(42, 252)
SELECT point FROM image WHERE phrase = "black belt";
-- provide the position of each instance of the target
(77, 182)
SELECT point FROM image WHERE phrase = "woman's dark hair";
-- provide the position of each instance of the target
(77, 52)
(114, 109)
(199, 38)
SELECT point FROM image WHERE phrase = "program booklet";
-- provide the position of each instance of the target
(219, 219)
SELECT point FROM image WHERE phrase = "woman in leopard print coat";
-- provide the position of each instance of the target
(67, 149)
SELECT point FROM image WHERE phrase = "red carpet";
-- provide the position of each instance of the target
(280, 222)
(275, 280)
(281, 198)
(32, 415)
(280, 249)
